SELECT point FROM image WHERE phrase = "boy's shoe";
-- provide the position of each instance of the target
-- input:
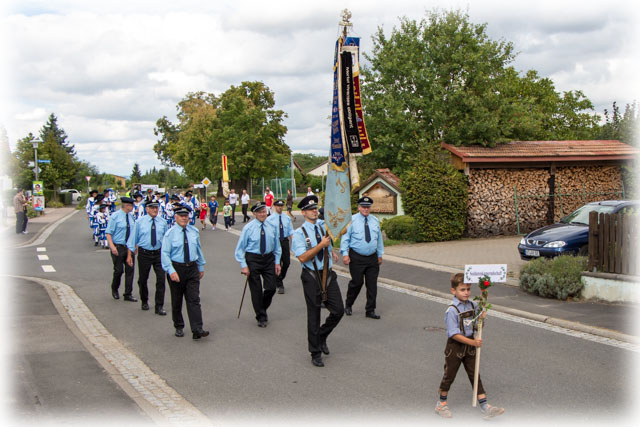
(492, 411)
(443, 410)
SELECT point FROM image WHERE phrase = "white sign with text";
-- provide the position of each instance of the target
(496, 272)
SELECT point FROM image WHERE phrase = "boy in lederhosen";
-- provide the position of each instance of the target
(461, 347)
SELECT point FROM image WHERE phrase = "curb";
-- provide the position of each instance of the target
(45, 230)
(567, 324)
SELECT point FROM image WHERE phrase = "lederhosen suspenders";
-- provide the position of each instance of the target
(465, 315)
(315, 266)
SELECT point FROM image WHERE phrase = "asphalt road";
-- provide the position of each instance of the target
(379, 371)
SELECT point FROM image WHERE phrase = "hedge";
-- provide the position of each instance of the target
(401, 227)
(555, 277)
(435, 196)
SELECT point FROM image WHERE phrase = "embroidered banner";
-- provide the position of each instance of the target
(350, 118)
(225, 169)
(362, 130)
(337, 198)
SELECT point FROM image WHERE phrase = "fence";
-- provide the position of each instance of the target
(279, 186)
(557, 198)
(613, 243)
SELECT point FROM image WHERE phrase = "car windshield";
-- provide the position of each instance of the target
(581, 216)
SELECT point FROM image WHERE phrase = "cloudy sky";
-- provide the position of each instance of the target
(109, 70)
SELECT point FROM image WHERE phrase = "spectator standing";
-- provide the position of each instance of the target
(20, 207)
(233, 201)
(244, 199)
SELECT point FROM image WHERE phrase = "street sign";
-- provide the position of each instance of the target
(38, 170)
(44, 161)
(88, 178)
(206, 182)
(495, 272)
(31, 164)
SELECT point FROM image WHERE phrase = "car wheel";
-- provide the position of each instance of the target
(583, 251)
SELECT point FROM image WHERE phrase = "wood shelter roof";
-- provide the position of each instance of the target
(545, 151)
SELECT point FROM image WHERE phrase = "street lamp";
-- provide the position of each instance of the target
(35, 154)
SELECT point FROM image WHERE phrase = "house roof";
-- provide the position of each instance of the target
(545, 151)
(386, 174)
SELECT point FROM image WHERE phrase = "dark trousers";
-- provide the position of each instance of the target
(363, 269)
(316, 334)
(21, 222)
(245, 217)
(146, 260)
(213, 219)
(262, 282)
(188, 288)
(285, 261)
(456, 353)
(233, 214)
(119, 266)
(227, 221)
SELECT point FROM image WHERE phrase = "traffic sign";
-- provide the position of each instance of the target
(88, 178)
(206, 182)
(38, 171)
(44, 161)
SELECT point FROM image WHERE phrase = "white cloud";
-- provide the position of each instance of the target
(110, 70)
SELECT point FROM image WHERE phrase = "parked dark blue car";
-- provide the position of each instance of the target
(570, 236)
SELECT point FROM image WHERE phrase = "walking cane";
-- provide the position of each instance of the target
(477, 370)
(243, 292)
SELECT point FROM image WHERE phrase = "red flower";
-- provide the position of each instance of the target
(486, 283)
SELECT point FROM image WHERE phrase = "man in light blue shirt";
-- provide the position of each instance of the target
(182, 260)
(118, 232)
(258, 252)
(308, 244)
(284, 229)
(146, 241)
(362, 248)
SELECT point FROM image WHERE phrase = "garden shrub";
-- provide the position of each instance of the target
(401, 227)
(435, 196)
(554, 278)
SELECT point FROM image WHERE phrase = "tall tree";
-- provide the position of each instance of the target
(242, 123)
(136, 176)
(51, 130)
(621, 126)
(444, 79)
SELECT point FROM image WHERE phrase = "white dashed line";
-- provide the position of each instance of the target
(48, 268)
(43, 257)
(41, 249)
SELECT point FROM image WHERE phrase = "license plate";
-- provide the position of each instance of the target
(531, 252)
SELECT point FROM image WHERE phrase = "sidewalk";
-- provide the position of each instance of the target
(35, 226)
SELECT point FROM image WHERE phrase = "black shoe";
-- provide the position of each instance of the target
(145, 306)
(372, 315)
(200, 334)
(130, 298)
(179, 332)
(347, 310)
(160, 311)
(281, 289)
(317, 361)
(115, 294)
(262, 323)
(324, 348)
(95, 243)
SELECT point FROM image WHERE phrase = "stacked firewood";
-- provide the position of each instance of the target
(492, 206)
(585, 184)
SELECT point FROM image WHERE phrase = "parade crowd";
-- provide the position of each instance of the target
(160, 231)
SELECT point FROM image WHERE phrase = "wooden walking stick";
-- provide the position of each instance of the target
(243, 292)
(483, 306)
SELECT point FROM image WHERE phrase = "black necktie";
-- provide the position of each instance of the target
(126, 236)
(281, 229)
(367, 233)
(318, 238)
(153, 232)
(263, 240)
(186, 246)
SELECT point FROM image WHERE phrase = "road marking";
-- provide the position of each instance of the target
(157, 399)
(48, 268)
(43, 257)
(41, 249)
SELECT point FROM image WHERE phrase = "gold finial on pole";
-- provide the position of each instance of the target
(345, 16)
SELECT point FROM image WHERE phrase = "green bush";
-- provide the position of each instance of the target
(401, 227)
(554, 278)
(55, 204)
(435, 195)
